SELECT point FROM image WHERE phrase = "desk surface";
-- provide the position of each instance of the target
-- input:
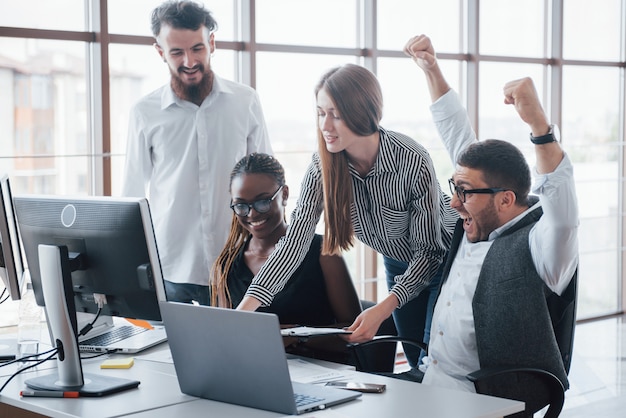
(159, 395)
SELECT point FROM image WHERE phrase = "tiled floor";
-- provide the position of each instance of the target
(598, 371)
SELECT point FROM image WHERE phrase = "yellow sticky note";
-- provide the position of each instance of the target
(118, 363)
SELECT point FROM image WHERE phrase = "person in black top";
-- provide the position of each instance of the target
(319, 293)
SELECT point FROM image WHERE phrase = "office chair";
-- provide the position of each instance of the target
(537, 388)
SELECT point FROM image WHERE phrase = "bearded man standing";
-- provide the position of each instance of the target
(184, 138)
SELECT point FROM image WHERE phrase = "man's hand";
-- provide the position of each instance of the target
(421, 50)
(523, 95)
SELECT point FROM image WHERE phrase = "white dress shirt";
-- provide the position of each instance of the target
(553, 245)
(180, 156)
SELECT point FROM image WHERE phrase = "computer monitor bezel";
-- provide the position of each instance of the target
(82, 229)
(12, 268)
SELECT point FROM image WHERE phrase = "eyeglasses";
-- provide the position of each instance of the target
(462, 193)
(261, 206)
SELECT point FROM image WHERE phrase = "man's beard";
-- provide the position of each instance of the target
(194, 93)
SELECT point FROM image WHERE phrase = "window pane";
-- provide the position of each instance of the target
(289, 108)
(37, 14)
(135, 71)
(290, 112)
(399, 20)
(407, 106)
(44, 114)
(592, 33)
(307, 22)
(590, 134)
(497, 120)
(512, 28)
(133, 17)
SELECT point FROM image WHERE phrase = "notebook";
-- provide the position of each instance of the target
(119, 335)
(238, 357)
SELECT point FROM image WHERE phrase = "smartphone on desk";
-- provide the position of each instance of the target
(358, 386)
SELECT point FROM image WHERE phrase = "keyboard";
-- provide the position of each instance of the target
(118, 334)
(302, 400)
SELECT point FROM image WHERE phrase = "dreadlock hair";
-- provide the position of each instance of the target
(255, 163)
(358, 98)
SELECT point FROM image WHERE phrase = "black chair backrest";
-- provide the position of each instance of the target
(377, 358)
(563, 314)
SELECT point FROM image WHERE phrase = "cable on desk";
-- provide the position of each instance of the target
(54, 352)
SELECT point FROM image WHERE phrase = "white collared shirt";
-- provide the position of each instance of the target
(180, 156)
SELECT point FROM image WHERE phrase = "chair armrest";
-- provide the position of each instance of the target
(390, 338)
(486, 382)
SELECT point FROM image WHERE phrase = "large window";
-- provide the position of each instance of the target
(70, 73)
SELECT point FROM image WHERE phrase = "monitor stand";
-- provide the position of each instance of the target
(56, 282)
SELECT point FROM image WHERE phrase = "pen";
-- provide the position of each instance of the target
(48, 394)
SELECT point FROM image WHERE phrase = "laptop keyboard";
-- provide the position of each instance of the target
(113, 336)
(302, 400)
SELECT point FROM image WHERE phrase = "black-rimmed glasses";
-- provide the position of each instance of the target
(261, 206)
(462, 193)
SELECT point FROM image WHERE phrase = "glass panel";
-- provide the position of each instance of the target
(590, 134)
(591, 32)
(307, 22)
(133, 17)
(512, 28)
(44, 113)
(136, 70)
(399, 20)
(407, 106)
(497, 120)
(36, 14)
(597, 294)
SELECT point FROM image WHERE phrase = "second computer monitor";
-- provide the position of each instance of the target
(113, 254)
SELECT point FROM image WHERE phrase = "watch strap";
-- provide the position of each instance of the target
(543, 139)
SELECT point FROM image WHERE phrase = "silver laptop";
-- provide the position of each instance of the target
(118, 335)
(238, 357)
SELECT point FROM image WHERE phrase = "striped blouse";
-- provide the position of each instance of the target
(399, 210)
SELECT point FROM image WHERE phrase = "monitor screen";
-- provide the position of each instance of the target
(11, 264)
(111, 247)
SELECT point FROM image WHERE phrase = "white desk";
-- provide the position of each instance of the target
(159, 395)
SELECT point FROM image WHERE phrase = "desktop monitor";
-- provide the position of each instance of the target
(86, 254)
(112, 252)
(11, 263)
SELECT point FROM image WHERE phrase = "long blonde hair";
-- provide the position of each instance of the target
(255, 163)
(357, 96)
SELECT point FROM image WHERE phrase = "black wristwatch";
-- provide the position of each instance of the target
(553, 135)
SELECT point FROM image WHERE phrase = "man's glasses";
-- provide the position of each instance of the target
(461, 193)
(261, 206)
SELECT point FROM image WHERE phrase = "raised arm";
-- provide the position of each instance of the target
(449, 115)
(556, 233)
(523, 96)
(421, 50)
